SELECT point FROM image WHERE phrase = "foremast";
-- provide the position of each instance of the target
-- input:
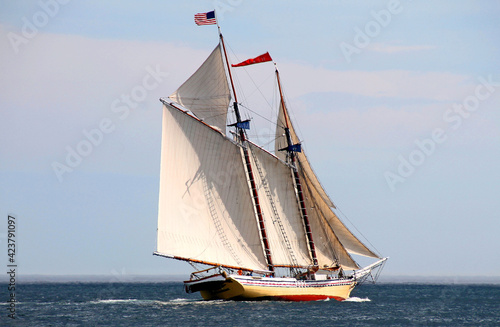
(291, 149)
(240, 128)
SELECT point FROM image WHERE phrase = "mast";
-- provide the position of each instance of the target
(298, 185)
(253, 186)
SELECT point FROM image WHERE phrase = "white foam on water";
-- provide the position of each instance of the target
(112, 301)
(357, 299)
(183, 301)
(180, 300)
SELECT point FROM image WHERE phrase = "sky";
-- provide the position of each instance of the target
(396, 103)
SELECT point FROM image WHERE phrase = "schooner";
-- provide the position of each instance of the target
(261, 221)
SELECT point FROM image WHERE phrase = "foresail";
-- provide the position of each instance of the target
(318, 200)
(206, 93)
(205, 209)
(330, 251)
(284, 227)
(352, 244)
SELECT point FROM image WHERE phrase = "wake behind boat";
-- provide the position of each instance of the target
(262, 221)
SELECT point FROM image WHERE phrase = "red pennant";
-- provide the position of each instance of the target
(262, 58)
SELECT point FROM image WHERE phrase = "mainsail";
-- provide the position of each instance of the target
(205, 209)
(206, 93)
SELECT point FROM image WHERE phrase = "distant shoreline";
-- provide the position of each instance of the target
(441, 280)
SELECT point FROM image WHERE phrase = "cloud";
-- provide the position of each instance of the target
(388, 48)
(406, 84)
(59, 85)
(381, 109)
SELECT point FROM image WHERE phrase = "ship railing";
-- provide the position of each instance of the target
(206, 272)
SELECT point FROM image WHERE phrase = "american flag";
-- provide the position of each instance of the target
(206, 18)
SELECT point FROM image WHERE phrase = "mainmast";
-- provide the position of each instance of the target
(240, 130)
(300, 195)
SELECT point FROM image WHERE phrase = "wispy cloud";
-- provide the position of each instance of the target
(73, 87)
(405, 84)
(392, 48)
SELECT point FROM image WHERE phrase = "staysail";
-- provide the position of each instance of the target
(206, 93)
(205, 209)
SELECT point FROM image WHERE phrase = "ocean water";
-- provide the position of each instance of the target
(166, 304)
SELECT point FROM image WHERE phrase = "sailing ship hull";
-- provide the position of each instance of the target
(248, 288)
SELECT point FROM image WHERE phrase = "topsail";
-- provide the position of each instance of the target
(206, 93)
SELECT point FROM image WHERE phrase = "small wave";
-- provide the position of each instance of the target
(112, 301)
(184, 301)
(181, 300)
(357, 299)
(178, 301)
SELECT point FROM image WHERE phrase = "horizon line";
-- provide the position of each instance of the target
(145, 278)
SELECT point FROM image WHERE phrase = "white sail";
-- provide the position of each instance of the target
(281, 143)
(352, 244)
(317, 196)
(205, 209)
(330, 252)
(283, 222)
(206, 93)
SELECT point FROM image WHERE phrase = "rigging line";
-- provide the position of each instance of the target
(217, 115)
(257, 88)
(263, 135)
(193, 265)
(270, 121)
(241, 90)
(357, 230)
(266, 144)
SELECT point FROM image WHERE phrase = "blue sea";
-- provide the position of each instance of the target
(166, 304)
